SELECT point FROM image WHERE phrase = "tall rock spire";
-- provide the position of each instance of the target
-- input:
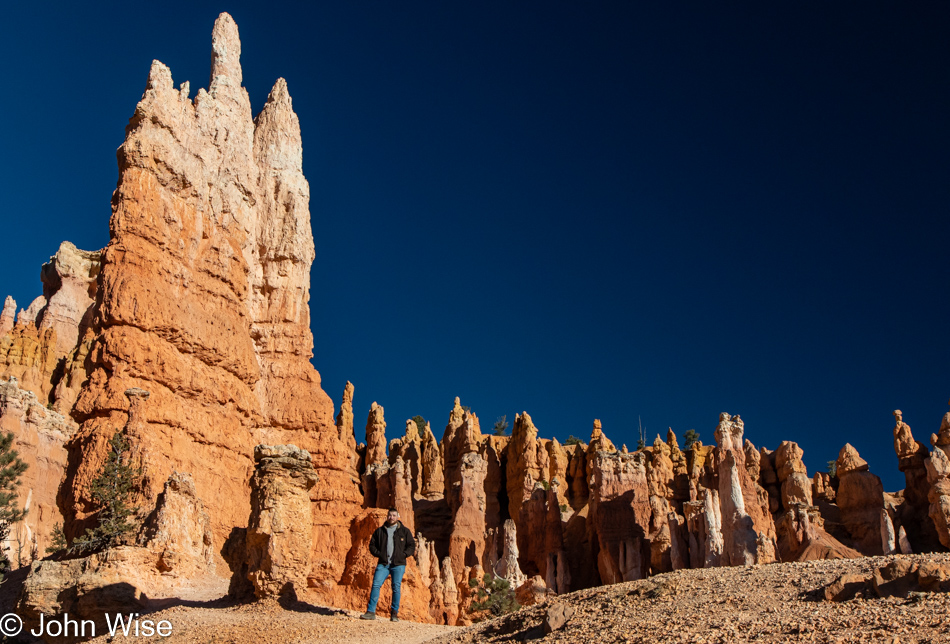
(226, 50)
(204, 298)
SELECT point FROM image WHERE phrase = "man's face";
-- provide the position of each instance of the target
(392, 517)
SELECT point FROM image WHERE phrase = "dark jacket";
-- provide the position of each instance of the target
(403, 546)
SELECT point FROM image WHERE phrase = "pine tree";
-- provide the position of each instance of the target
(112, 491)
(420, 423)
(57, 540)
(833, 468)
(501, 426)
(11, 468)
(494, 596)
(690, 437)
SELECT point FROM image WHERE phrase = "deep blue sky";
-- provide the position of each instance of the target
(599, 211)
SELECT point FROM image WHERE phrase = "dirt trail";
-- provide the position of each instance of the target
(272, 624)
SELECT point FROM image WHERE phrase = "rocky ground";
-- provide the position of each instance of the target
(773, 603)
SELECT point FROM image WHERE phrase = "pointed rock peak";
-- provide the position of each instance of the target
(348, 393)
(412, 430)
(849, 461)
(8, 316)
(598, 430)
(624, 450)
(279, 93)
(671, 439)
(159, 77)
(938, 466)
(457, 413)
(226, 49)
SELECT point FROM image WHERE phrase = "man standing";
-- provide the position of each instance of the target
(391, 544)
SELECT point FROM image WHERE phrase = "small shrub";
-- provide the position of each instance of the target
(833, 468)
(420, 423)
(573, 440)
(494, 596)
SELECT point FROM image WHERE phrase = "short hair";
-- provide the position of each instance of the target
(394, 510)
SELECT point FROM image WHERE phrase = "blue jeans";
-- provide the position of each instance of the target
(383, 571)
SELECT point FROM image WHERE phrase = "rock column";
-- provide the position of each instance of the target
(280, 528)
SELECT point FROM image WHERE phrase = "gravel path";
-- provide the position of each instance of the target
(271, 624)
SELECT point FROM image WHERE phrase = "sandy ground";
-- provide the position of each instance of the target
(270, 623)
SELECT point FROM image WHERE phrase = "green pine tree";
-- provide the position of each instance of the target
(501, 426)
(112, 491)
(57, 540)
(420, 423)
(690, 437)
(573, 440)
(495, 596)
(11, 468)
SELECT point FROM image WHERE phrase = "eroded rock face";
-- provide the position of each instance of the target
(938, 474)
(861, 498)
(467, 500)
(793, 475)
(203, 298)
(41, 436)
(913, 515)
(7, 316)
(180, 529)
(619, 515)
(375, 435)
(280, 528)
(69, 286)
(739, 536)
(175, 564)
(433, 479)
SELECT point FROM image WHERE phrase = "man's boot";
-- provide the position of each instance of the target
(394, 617)
(368, 615)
